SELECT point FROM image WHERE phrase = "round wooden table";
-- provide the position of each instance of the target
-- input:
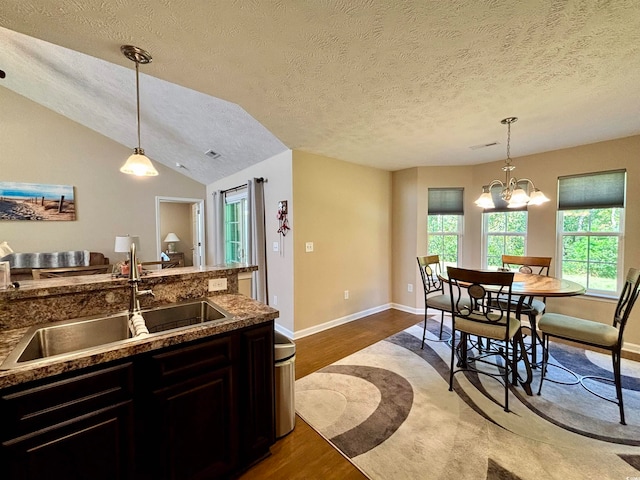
(544, 286)
(530, 284)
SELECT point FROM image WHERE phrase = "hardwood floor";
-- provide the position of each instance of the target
(304, 454)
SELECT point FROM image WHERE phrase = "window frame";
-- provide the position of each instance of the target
(486, 234)
(620, 273)
(240, 198)
(459, 233)
(587, 192)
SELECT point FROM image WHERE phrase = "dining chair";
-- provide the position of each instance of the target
(434, 296)
(42, 273)
(527, 304)
(594, 334)
(476, 313)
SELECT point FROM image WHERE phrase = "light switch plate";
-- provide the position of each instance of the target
(217, 284)
(276, 246)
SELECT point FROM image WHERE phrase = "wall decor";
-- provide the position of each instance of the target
(35, 201)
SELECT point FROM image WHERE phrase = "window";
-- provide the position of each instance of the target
(444, 224)
(505, 233)
(591, 228)
(236, 226)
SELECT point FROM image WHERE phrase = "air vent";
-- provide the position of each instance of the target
(484, 145)
(212, 154)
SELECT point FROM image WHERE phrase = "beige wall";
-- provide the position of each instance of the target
(176, 218)
(43, 147)
(345, 210)
(544, 170)
(278, 186)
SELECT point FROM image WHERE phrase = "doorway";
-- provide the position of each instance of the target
(185, 218)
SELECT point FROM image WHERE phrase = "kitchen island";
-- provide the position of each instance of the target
(191, 403)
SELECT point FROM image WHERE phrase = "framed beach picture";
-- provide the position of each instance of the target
(36, 201)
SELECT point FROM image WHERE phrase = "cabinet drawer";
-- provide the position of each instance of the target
(46, 403)
(194, 359)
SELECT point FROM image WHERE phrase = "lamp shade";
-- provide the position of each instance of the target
(138, 164)
(171, 237)
(5, 249)
(123, 243)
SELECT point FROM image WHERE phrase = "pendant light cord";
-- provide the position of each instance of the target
(138, 103)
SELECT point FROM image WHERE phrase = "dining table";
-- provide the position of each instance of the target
(528, 285)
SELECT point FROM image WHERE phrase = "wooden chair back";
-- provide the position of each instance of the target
(41, 273)
(429, 266)
(162, 263)
(537, 265)
(472, 300)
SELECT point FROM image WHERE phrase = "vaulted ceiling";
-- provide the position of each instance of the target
(390, 84)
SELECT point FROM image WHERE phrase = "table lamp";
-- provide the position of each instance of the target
(171, 238)
(123, 244)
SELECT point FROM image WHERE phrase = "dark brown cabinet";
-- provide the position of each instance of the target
(256, 396)
(192, 396)
(75, 427)
(202, 409)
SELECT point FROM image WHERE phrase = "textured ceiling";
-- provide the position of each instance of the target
(391, 84)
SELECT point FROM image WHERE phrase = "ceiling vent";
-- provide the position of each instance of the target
(484, 145)
(212, 154)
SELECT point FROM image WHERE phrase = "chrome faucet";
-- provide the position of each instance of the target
(134, 279)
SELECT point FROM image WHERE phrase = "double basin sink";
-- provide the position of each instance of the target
(77, 335)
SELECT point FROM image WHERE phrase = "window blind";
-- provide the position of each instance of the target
(592, 190)
(446, 201)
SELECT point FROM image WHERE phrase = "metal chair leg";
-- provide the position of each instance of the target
(545, 359)
(618, 380)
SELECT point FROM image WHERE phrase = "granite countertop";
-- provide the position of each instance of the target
(87, 283)
(246, 311)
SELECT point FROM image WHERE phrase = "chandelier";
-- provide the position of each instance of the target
(138, 164)
(512, 191)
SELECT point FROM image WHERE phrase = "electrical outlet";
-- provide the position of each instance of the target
(346, 294)
(409, 287)
(217, 284)
(276, 246)
(275, 300)
(308, 247)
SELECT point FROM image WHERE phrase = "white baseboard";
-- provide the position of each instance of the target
(285, 331)
(631, 347)
(404, 308)
(338, 321)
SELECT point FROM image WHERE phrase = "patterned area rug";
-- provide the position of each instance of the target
(388, 409)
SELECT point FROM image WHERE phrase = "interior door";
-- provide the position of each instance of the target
(196, 248)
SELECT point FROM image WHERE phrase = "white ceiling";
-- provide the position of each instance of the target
(390, 84)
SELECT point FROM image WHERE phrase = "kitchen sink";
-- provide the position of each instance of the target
(82, 334)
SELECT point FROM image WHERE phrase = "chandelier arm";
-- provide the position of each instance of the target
(530, 182)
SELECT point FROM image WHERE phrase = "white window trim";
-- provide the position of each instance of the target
(621, 274)
(459, 232)
(485, 236)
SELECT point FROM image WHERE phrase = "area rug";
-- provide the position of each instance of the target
(388, 409)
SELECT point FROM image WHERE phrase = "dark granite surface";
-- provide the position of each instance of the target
(247, 312)
(56, 299)
(36, 303)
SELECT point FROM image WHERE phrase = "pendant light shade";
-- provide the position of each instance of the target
(138, 164)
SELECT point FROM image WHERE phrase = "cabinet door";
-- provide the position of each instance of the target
(195, 424)
(257, 394)
(96, 446)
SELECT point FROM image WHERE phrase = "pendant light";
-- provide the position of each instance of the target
(138, 164)
(512, 191)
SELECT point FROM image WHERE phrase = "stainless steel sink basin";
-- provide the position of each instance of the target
(81, 334)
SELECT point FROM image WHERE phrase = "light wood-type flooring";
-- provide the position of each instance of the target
(304, 454)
